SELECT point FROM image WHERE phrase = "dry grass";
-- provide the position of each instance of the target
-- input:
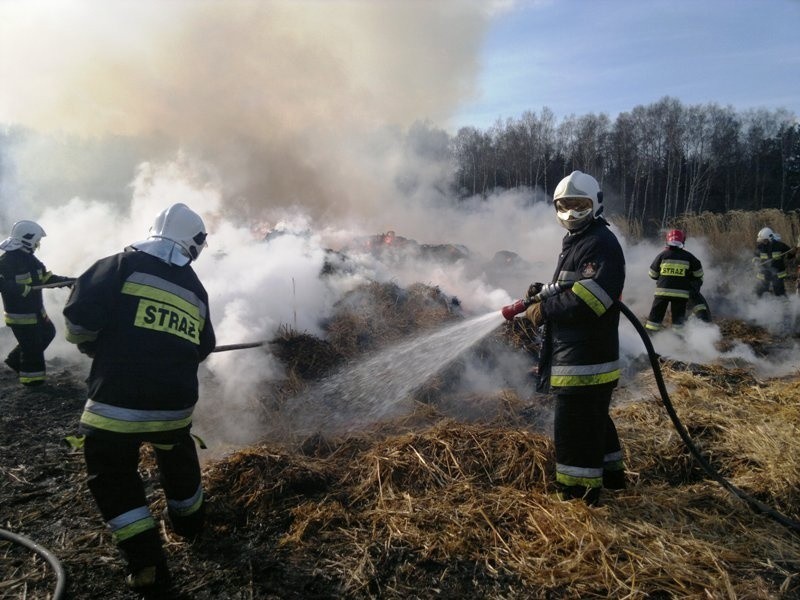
(428, 507)
(724, 232)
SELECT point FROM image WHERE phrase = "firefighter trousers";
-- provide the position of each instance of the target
(588, 451)
(27, 357)
(112, 465)
(765, 282)
(659, 309)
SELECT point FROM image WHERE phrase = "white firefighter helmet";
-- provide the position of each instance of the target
(765, 234)
(578, 200)
(177, 236)
(25, 235)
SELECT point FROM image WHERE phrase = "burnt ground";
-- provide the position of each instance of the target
(427, 508)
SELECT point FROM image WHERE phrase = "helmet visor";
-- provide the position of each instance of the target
(576, 204)
(200, 239)
(572, 211)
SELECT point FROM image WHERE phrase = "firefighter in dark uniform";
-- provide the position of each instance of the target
(143, 316)
(698, 305)
(579, 359)
(679, 276)
(769, 260)
(23, 307)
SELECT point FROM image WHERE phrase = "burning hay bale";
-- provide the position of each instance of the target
(376, 314)
(306, 355)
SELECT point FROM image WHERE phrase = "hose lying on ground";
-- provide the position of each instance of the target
(61, 578)
(754, 503)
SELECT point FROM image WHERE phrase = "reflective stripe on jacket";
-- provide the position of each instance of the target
(677, 272)
(148, 323)
(581, 346)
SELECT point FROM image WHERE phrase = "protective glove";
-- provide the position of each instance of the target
(88, 348)
(534, 289)
(535, 315)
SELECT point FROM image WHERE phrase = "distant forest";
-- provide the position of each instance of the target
(658, 161)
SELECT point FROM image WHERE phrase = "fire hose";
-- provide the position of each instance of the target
(228, 347)
(55, 564)
(57, 284)
(551, 289)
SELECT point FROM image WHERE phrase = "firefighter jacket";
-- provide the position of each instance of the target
(147, 325)
(770, 259)
(580, 350)
(677, 272)
(23, 305)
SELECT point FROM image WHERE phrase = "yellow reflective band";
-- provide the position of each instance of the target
(163, 446)
(20, 319)
(75, 338)
(108, 424)
(127, 532)
(146, 291)
(76, 442)
(671, 293)
(581, 380)
(31, 377)
(590, 299)
(189, 506)
(158, 316)
(193, 508)
(588, 482)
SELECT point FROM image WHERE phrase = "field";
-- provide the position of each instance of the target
(440, 502)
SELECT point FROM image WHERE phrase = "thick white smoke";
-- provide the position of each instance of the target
(258, 115)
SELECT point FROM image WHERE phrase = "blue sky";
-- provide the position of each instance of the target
(580, 57)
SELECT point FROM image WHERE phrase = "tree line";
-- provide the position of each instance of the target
(656, 162)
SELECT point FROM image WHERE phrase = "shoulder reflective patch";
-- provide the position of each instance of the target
(593, 295)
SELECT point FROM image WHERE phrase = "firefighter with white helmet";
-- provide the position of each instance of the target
(769, 260)
(579, 358)
(678, 273)
(23, 306)
(143, 317)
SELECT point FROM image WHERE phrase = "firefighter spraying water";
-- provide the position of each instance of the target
(545, 291)
(579, 358)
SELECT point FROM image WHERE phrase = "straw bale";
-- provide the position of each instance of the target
(259, 476)
(304, 354)
(376, 314)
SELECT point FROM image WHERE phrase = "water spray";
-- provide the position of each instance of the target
(551, 289)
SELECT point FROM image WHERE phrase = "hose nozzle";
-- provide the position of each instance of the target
(544, 291)
(512, 310)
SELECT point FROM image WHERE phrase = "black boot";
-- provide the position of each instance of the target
(614, 480)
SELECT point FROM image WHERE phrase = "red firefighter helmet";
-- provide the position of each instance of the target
(675, 237)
